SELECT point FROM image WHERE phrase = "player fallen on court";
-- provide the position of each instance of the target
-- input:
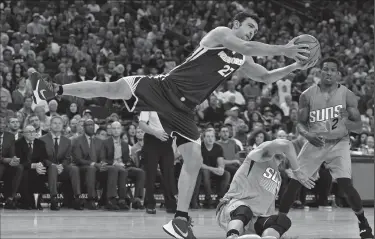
(328, 112)
(247, 211)
(175, 95)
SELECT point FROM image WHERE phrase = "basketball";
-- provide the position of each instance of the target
(314, 46)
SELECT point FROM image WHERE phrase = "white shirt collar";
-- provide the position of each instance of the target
(54, 136)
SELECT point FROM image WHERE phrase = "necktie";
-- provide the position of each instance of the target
(1, 147)
(92, 149)
(30, 153)
(56, 148)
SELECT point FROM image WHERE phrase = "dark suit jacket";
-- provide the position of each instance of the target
(81, 151)
(8, 146)
(64, 152)
(39, 152)
(110, 151)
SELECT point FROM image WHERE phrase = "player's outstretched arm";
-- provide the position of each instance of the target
(90, 89)
(258, 73)
(225, 36)
(351, 115)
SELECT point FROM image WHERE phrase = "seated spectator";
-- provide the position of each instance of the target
(33, 120)
(45, 121)
(234, 120)
(52, 106)
(20, 93)
(10, 168)
(32, 153)
(26, 109)
(256, 138)
(117, 155)
(230, 151)
(239, 99)
(214, 113)
(14, 127)
(4, 106)
(73, 110)
(88, 153)
(230, 129)
(73, 129)
(131, 134)
(101, 133)
(59, 165)
(212, 168)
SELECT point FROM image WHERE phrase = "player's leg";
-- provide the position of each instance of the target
(180, 226)
(272, 227)
(310, 158)
(340, 167)
(239, 218)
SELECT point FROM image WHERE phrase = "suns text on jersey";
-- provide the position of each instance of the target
(271, 181)
(230, 60)
(325, 114)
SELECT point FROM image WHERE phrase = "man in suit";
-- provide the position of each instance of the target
(10, 168)
(88, 154)
(32, 152)
(14, 127)
(134, 173)
(34, 121)
(59, 163)
(117, 154)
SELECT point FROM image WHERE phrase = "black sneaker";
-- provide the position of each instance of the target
(365, 231)
(42, 90)
(10, 204)
(123, 205)
(179, 228)
(54, 204)
(150, 210)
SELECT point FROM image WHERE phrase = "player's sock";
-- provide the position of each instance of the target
(182, 214)
(233, 232)
(354, 199)
(289, 196)
(360, 215)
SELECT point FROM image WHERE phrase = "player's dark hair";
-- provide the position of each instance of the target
(242, 16)
(330, 59)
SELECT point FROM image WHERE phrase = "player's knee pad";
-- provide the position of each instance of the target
(280, 223)
(242, 213)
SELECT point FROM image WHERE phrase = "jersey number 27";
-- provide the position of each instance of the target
(226, 71)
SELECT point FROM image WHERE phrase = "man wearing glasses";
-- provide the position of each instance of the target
(32, 152)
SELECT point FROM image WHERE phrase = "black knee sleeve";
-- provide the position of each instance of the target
(281, 223)
(242, 213)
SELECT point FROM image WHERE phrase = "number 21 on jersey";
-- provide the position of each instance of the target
(226, 71)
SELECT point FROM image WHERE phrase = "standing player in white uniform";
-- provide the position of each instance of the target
(175, 95)
(327, 113)
(249, 205)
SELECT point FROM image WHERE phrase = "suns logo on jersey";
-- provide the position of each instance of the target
(231, 60)
(325, 114)
(271, 181)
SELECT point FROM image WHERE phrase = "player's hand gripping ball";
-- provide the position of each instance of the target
(314, 47)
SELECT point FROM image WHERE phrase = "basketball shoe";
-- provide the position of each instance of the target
(42, 89)
(365, 231)
(180, 228)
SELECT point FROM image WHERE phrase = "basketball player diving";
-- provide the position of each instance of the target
(327, 114)
(249, 205)
(175, 95)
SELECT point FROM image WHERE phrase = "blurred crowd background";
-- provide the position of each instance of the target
(72, 41)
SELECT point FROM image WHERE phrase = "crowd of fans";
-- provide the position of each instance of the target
(72, 41)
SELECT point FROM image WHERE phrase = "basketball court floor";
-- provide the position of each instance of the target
(312, 224)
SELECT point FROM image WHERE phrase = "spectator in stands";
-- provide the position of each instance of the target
(35, 28)
(230, 151)
(52, 106)
(117, 156)
(73, 110)
(19, 94)
(230, 129)
(291, 123)
(131, 135)
(32, 153)
(234, 120)
(257, 137)
(10, 168)
(45, 121)
(212, 168)
(14, 127)
(59, 165)
(4, 40)
(33, 120)
(239, 99)
(369, 145)
(157, 150)
(214, 113)
(101, 133)
(286, 105)
(26, 109)
(4, 106)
